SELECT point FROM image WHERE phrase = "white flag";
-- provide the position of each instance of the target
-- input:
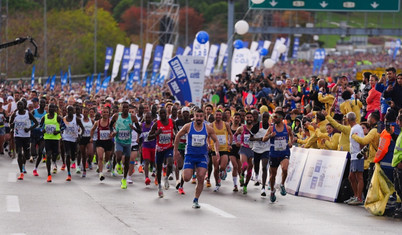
(222, 50)
(147, 58)
(117, 59)
(240, 60)
(213, 52)
(167, 55)
(133, 54)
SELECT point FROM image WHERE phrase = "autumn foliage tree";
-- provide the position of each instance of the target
(195, 21)
(101, 4)
(131, 20)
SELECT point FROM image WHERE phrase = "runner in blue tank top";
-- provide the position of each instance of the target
(196, 155)
(281, 138)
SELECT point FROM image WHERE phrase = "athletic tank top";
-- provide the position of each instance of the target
(22, 121)
(261, 146)
(88, 126)
(134, 138)
(2, 118)
(182, 144)
(51, 125)
(279, 143)
(245, 138)
(38, 116)
(150, 144)
(222, 135)
(70, 133)
(236, 139)
(165, 139)
(123, 129)
(197, 141)
(104, 131)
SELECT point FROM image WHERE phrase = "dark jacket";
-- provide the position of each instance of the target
(396, 95)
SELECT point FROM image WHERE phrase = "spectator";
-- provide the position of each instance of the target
(373, 99)
(394, 92)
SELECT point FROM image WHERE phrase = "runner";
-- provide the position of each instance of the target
(3, 116)
(122, 123)
(261, 150)
(37, 141)
(134, 149)
(246, 154)
(51, 123)
(148, 147)
(104, 143)
(182, 146)
(196, 151)
(70, 137)
(224, 135)
(163, 131)
(281, 139)
(234, 152)
(21, 126)
(86, 148)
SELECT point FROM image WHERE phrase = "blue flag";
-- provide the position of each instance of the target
(396, 49)
(124, 63)
(87, 84)
(53, 82)
(33, 77)
(179, 51)
(129, 84)
(295, 47)
(105, 83)
(156, 65)
(69, 76)
(137, 66)
(108, 58)
(98, 83)
(47, 83)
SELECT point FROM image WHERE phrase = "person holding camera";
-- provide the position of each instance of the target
(384, 84)
(394, 93)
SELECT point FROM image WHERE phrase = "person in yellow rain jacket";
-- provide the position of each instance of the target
(351, 105)
(327, 100)
(308, 131)
(344, 143)
(321, 125)
(329, 139)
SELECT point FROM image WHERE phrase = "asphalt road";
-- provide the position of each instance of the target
(88, 206)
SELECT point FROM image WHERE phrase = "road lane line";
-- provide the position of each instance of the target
(217, 211)
(14, 162)
(13, 204)
(12, 177)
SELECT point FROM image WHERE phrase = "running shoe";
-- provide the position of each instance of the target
(112, 173)
(23, 169)
(44, 160)
(160, 192)
(49, 178)
(208, 184)
(55, 170)
(244, 189)
(153, 174)
(283, 190)
(68, 178)
(129, 180)
(31, 160)
(63, 167)
(196, 205)
(101, 177)
(156, 181)
(217, 187)
(140, 169)
(147, 181)
(94, 159)
(263, 194)
(97, 169)
(272, 197)
(225, 174)
(166, 185)
(108, 166)
(90, 166)
(78, 170)
(193, 180)
(221, 175)
(349, 200)
(35, 173)
(84, 174)
(123, 183)
(171, 176)
(119, 169)
(235, 189)
(269, 185)
(356, 202)
(228, 168)
(21, 177)
(73, 165)
(241, 180)
(181, 191)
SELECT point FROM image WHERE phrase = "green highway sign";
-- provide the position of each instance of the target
(328, 5)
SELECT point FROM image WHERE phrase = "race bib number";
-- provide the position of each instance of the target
(70, 130)
(104, 134)
(145, 135)
(164, 138)
(280, 144)
(124, 135)
(222, 139)
(198, 140)
(247, 139)
(50, 129)
(87, 132)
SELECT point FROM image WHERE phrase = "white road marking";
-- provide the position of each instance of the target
(12, 177)
(14, 162)
(18, 234)
(217, 211)
(13, 204)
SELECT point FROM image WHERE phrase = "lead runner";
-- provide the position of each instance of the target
(196, 155)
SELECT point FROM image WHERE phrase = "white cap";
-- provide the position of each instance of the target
(29, 103)
(185, 109)
(120, 100)
(157, 102)
(10, 98)
(177, 102)
(79, 101)
(1, 100)
(110, 99)
(278, 83)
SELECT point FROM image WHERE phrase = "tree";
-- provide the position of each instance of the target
(104, 4)
(122, 6)
(195, 21)
(131, 20)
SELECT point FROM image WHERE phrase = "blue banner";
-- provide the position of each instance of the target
(53, 83)
(62, 81)
(260, 45)
(87, 85)
(33, 78)
(129, 84)
(98, 83)
(69, 76)
(176, 91)
(179, 51)
(124, 63)
(319, 58)
(181, 78)
(108, 58)
(105, 83)
(396, 49)
(225, 62)
(295, 47)
(145, 80)
(245, 44)
(157, 63)
(47, 83)
(137, 66)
